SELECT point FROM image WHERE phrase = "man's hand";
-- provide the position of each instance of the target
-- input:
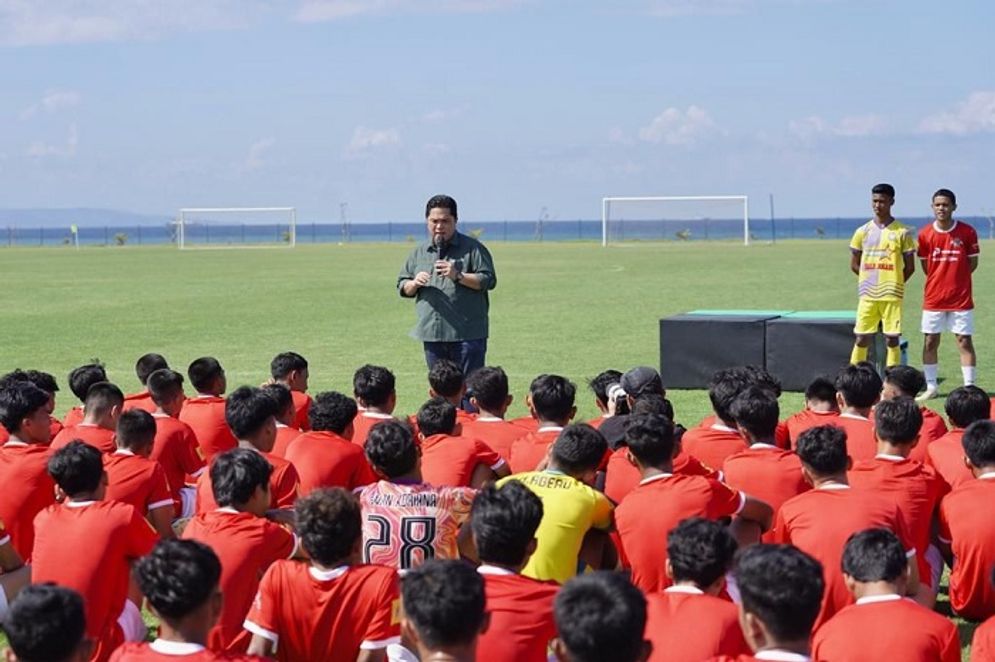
(421, 279)
(446, 269)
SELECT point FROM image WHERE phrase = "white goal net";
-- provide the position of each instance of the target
(675, 218)
(236, 227)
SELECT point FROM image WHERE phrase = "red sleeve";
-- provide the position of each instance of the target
(263, 616)
(159, 495)
(944, 530)
(723, 500)
(384, 627)
(485, 455)
(973, 248)
(902, 531)
(287, 487)
(141, 537)
(779, 532)
(280, 544)
(782, 436)
(923, 250)
(189, 456)
(363, 474)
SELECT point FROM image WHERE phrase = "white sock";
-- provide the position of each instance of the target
(932, 372)
(968, 373)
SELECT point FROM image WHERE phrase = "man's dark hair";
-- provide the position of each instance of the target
(85, 376)
(755, 409)
(329, 524)
(906, 379)
(77, 468)
(445, 602)
(102, 397)
(147, 364)
(782, 586)
(164, 385)
(652, 403)
(446, 378)
(203, 372)
(945, 193)
(441, 202)
(725, 386)
(821, 389)
(331, 412)
(823, 449)
(579, 448)
(489, 385)
(504, 521)
(374, 384)
(235, 475)
(967, 404)
(553, 397)
(437, 416)
(135, 430)
(874, 555)
(46, 623)
(898, 421)
(18, 401)
(247, 409)
(700, 551)
(43, 380)
(601, 616)
(650, 438)
(859, 385)
(979, 443)
(600, 383)
(759, 376)
(391, 448)
(178, 577)
(285, 363)
(884, 189)
(281, 396)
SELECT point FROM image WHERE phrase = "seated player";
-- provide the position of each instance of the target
(600, 616)
(88, 544)
(552, 401)
(504, 523)
(757, 376)
(376, 398)
(967, 529)
(175, 447)
(103, 406)
(820, 521)
(45, 382)
(906, 381)
(251, 414)
(821, 408)
(858, 389)
(133, 478)
(571, 506)
(14, 574)
(27, 487)
(333, 607)
(763, 470)
(638, 384)
(286, 412)
(699, 554)
(406, 521)
(80, 381)
(325, 456)
(983, 641)
(964, 405)
(663, 499)
(916, 489)
(291, 370)
(489, 394)
(144, 367)
(445, 380)
(47, 622)
(453, 460)
(205, 412)
(599, 386)
(712, 445)
(245, 541)
(882, 624)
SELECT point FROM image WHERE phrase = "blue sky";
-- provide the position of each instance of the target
(512, 106)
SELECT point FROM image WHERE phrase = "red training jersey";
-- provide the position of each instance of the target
(161, 650)
(324, 459)
(302, 405)
(948, 270)
(136, 480)
(983, 642)
(621, 476)
(141, 401)
(73, 417)
(946, 456)
(364, 422)
(497, 433)
(781, 435)
(521, 613)
(807, 419)
(712, 445)
(100, 438)
(861, 441)
(527, 423)
(678, 611)
(28, 489)
(448, 460)
(284, 435)
(175, 449)
(284, 485)
(768, 473)
(528, 451)
(205, 414)
(967, 525)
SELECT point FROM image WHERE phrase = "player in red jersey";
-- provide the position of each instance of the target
(763, 470)
(964, 405)
(445, 380)
(45, 382)
(983, 641)
(133, 478)
(333, 607)
(599, 385)
(882, 624)
(757, 376)
(488, 389)
(145, 366)
(175, 447)
(858, 389)
(948, 251)
(552, 400)
(600, 616)
(376, 397)
(243, 538)
(699, 553)
(80, 381)
(285, 414)
(205, 412)
(291, 370)
(325, 456)
(712, 445)
(47, 622)
(449, 459)
(405, 520)
(820, 521)
(905, 381)
(88, 544)
(821, 408)
(103, 406)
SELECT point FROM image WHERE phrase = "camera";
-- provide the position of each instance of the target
(617, 394)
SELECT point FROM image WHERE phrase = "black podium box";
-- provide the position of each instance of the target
(803, 346)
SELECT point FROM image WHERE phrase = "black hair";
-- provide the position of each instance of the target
(203, 372)
(874, 555)
(489, 386)
(600, 383)
(504, 521)
(601, 616)
(446, 378)
(135, 429)
(164, 385)
(441, 202)
(444, 600)
(979, 443)
(579, 448)
(907, 379)
(553, 397)
(652, 403)
(945, 193)
(281, 396)
(373, 384)
(102, 397)
(285, 363)
(782, 586)
(821, 389)
(329, 524)
(700, 551)
(725, 386)
(755, 409)
(85, 376)
(823, 449)
(331, 412)
(860, 385)
(650, 438)
(391, 448)
(178, 577)
(235, 475)
(967, 404)
(77, 468)
(759, 376)
(42, 380)
(884, 189)
(437, 416)
(46, 623)
(247, 409)
(18, 401)
(147, 364)
(898, 421)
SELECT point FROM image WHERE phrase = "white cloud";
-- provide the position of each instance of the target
(365, 140)
(445, 114)
(257, 152)
(676, 127)
(976, 114)
(316, 11)
(40, 149)
(851, 126)
(53, 101)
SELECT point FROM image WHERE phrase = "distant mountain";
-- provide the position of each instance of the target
(83, 217)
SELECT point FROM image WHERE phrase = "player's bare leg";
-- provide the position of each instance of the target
(968, 358)
(930, 359)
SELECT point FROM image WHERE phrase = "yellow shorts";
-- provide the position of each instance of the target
(870, 313)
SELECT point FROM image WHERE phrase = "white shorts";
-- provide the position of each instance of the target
(960, 322)
(188, 496)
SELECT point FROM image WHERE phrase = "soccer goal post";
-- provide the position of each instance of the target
(236, 227)
(674, 218)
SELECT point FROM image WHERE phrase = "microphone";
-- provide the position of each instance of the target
(440, 245)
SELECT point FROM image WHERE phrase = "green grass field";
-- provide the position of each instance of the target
(568, 308)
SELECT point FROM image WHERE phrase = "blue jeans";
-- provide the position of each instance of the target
(467, 354)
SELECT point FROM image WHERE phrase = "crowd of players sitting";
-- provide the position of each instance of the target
(270, 524)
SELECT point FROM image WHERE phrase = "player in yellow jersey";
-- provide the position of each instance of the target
(882, 255)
